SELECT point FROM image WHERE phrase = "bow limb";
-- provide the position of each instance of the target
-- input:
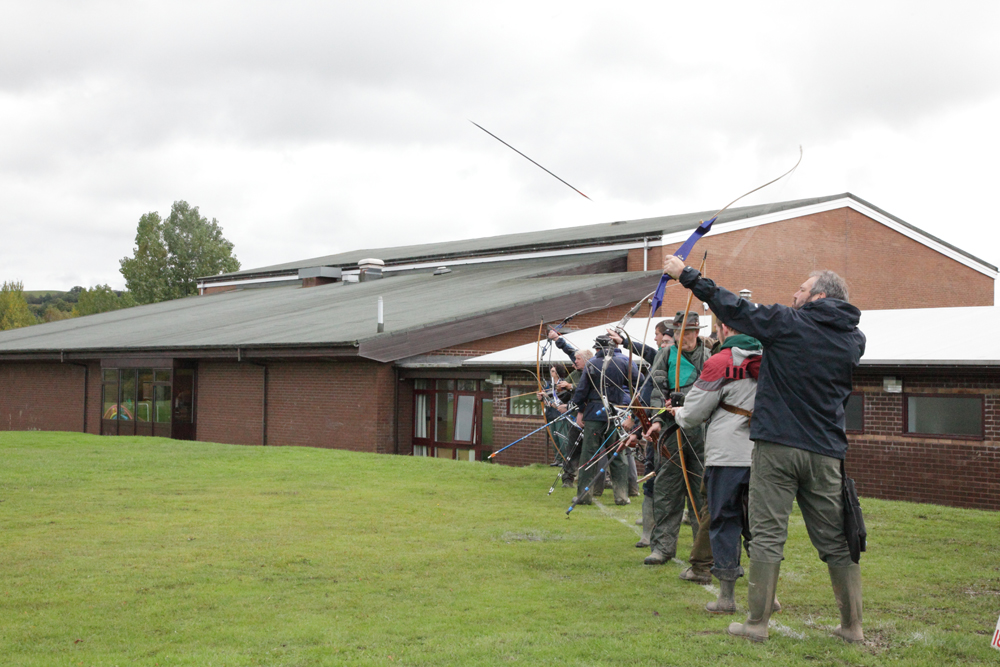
(703, 228)
(677, 387)
(541, 389)
(547, 346)
(760, 187)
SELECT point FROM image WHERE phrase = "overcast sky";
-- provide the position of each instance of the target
(309, 128)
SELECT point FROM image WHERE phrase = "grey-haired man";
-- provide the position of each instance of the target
(810, 352)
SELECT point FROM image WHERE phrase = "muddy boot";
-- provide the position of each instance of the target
(647, 521)
(695, 576)
(726, 604)
(762, 582)
(655, 558)
(847, 589)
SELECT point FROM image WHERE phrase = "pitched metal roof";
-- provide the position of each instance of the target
(423, 312)
(564, 238)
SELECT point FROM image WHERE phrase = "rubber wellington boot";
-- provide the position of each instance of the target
(647, 522)
(847, 589)
(762, 582)
(726, 604)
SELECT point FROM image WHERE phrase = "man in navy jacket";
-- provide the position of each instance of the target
(805, 380)
(603, 384)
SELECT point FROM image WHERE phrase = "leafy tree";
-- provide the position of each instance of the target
(53, 314)
(14, 311)
(101, 299)
(170, 255)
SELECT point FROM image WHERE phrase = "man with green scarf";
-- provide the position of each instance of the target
(669, 487)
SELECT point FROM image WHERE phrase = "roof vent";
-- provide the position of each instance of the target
(319, 275)
(370, 269)
(441, 270)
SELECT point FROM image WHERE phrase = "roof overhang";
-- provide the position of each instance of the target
(225, 352)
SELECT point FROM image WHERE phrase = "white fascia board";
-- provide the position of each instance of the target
(229, 283)
(930, 362)
(737, 225)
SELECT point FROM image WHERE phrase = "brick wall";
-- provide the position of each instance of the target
(217, 290)
(773, 260)
(885, 463)
(230, 397)
(404, 419)
(48, 397)
(507, 428)
(339, 405)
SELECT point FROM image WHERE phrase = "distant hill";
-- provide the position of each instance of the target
(49, 305)
(43, 293)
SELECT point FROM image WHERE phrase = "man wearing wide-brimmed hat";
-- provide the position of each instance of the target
(669, 489)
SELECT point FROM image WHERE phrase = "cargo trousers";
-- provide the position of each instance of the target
(780, 474)
(596, 433)
(670, 492)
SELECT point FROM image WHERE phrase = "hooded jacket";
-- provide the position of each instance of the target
(805, 377)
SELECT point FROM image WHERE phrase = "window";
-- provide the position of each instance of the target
(854, 413)
(452, 419)
(126, 405)
(110, 403)
(955, 416)
(527, 405)
(144, 408)
(464, 413)
(141, 401)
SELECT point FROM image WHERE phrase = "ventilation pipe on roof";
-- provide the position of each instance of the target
(381, 320)
(370, 269)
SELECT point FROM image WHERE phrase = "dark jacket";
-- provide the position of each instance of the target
(566, 347)
(615, 385)
(806, 372)
(648, 354)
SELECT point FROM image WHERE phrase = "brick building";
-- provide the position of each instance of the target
(293, 354)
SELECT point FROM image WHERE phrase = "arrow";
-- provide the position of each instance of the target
(526, 157)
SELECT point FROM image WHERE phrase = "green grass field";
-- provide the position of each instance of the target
(144, 551)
